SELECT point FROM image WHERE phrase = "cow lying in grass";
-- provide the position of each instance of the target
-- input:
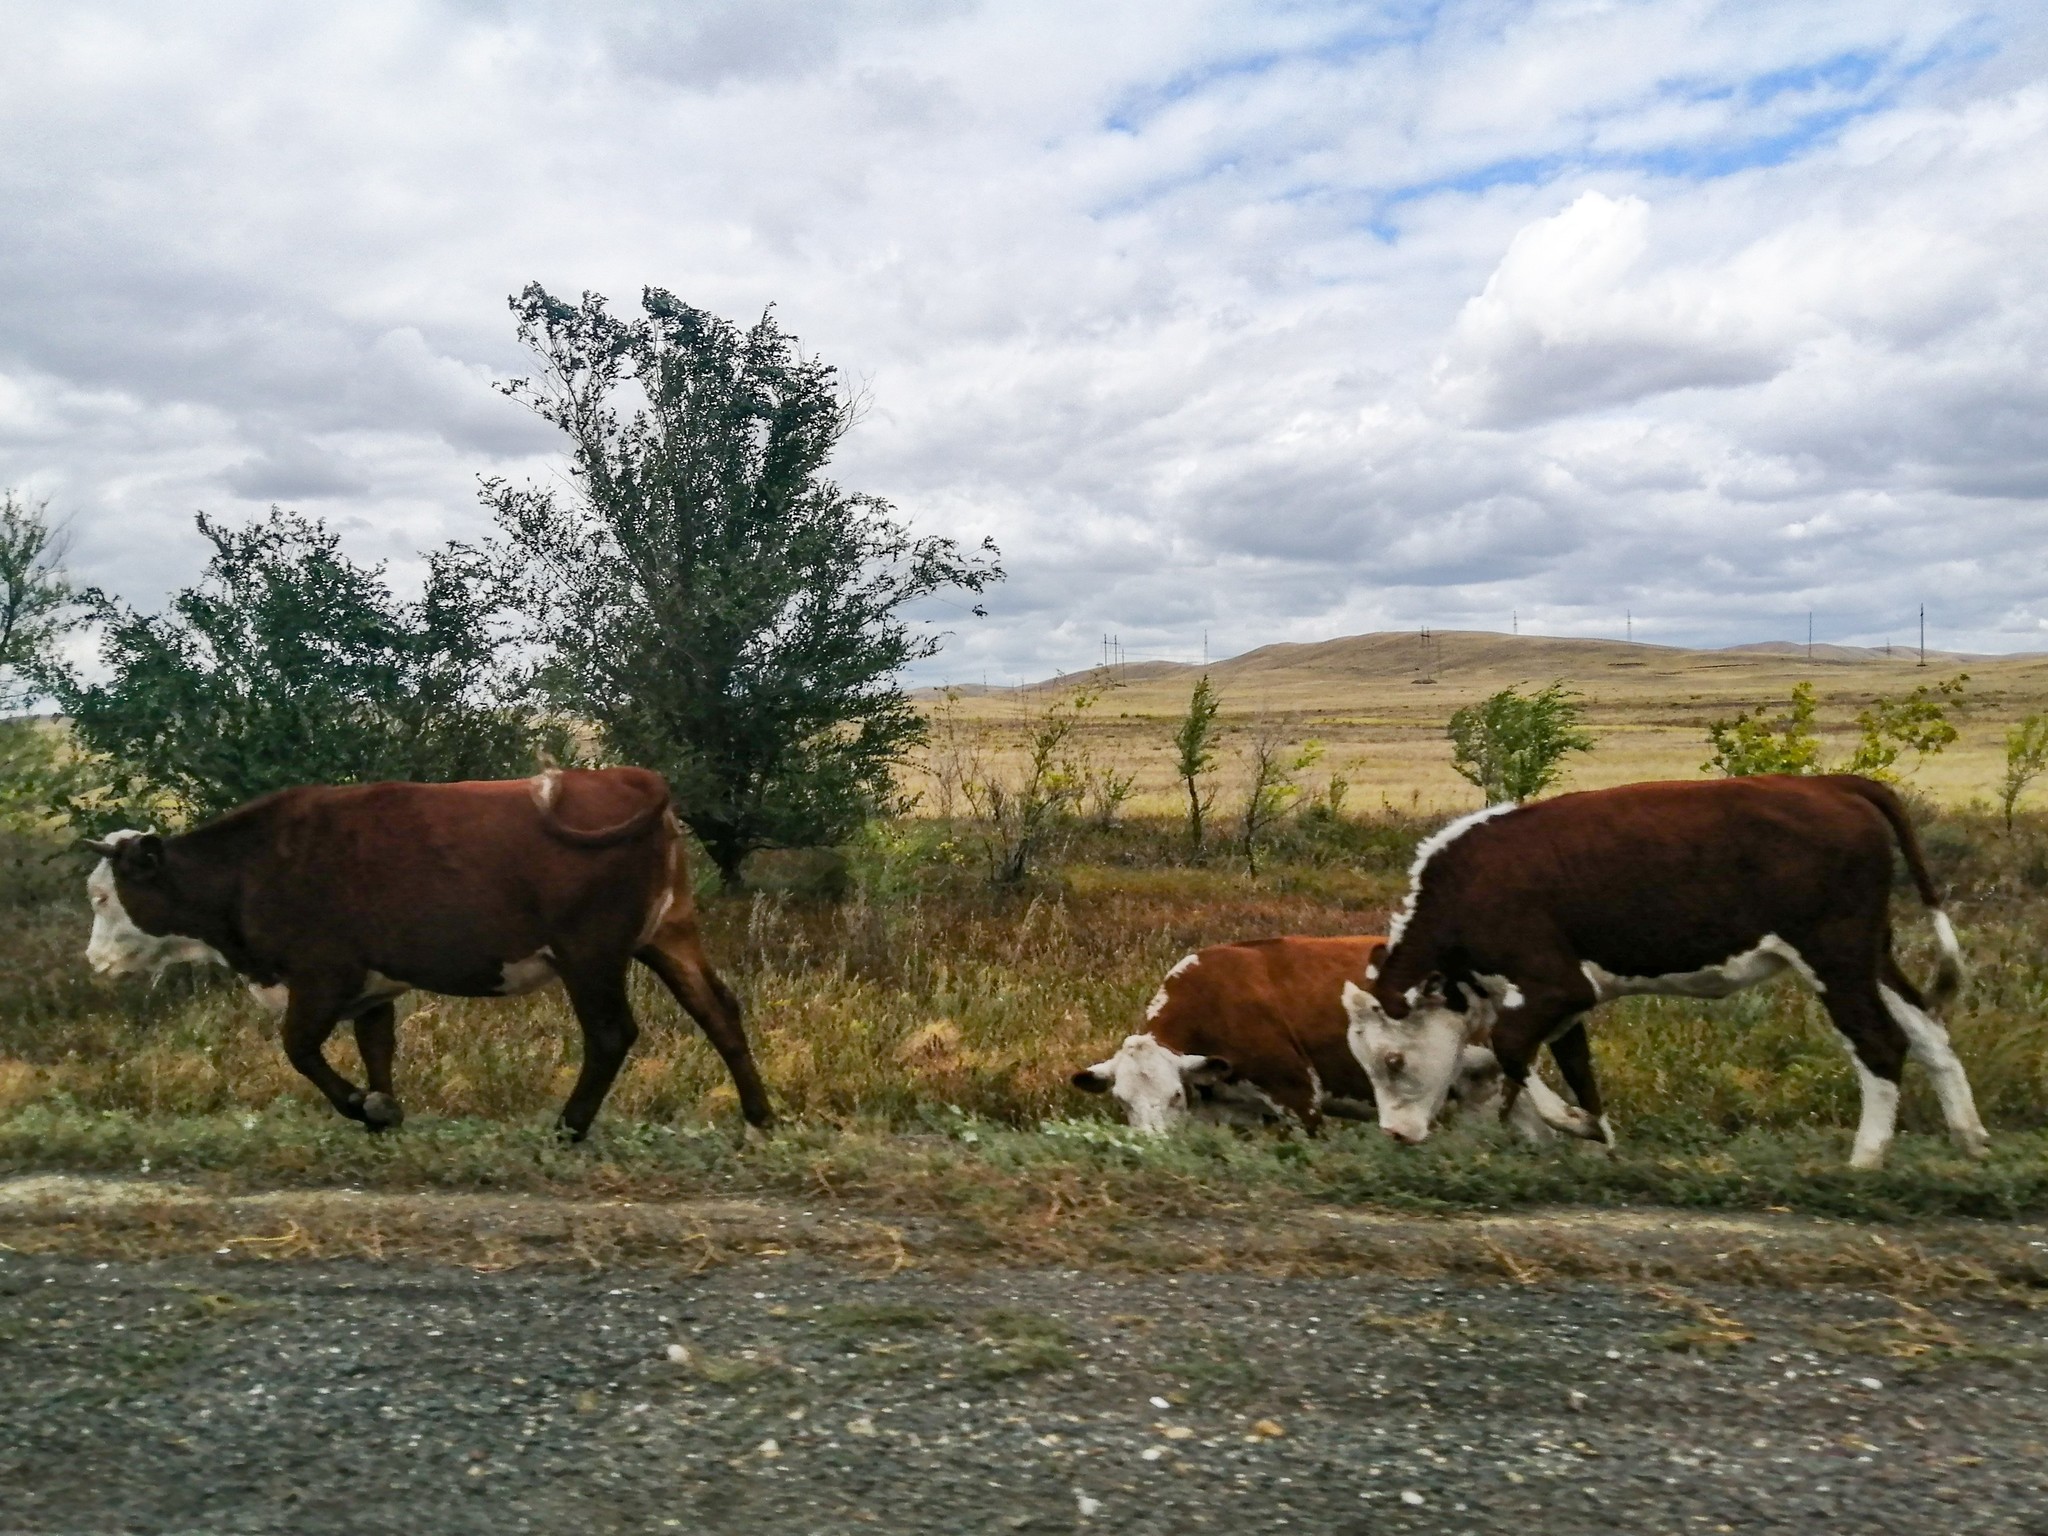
(1683, 889)
(332, 901)
(1256, 1032)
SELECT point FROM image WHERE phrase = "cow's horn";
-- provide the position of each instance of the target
(104, 850)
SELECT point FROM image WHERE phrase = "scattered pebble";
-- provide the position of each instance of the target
(1410, 1496)
(1086, 1505)
(1268, 1429)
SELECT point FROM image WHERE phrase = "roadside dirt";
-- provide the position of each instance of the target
(172, 1362)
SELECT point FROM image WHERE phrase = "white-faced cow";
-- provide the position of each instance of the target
(1255, 1032)
(1685, 889)
(331, 901)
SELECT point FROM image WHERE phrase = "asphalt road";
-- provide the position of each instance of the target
(788, 1395)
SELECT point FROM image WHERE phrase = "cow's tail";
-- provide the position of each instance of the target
(547, 789)
(1948, 974)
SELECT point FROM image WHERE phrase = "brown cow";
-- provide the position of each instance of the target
(1694, 889)
(333, 900)
(1251, 1032)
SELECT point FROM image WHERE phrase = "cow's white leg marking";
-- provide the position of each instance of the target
(1880, 1118)
(1554, 1112)
(1769, 957)
(1945, 933)
(1930, 1047)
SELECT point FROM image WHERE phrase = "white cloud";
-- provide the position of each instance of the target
(1271, 322)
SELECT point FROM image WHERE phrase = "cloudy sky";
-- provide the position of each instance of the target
(1273, 322)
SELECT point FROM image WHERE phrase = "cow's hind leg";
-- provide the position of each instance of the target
(1928, 1042)
(1573, 1053)
(678, 959)
(1878, 1047)
(309, 1018)
(1545, 1013)
(598, 994)
(377, 1044)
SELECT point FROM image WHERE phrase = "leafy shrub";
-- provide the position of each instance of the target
(1514, 745)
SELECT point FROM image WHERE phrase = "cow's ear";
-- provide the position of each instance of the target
(1090, 1080)
(1376, 961)
(1207, 1072)
(1357, 1001)
(141, 858)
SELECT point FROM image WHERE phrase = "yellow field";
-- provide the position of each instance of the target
(1366, 698)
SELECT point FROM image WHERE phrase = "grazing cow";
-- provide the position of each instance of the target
(333, 900)
(1247, 1033)
(1685, 889)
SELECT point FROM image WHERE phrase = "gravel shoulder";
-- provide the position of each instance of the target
(794, 1385)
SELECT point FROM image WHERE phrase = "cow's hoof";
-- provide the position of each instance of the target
(381, 1112)
(1971, 1143)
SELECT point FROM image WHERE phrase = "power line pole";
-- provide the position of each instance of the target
(1809, 635)
(1628, 618)
(1514, 622)
(1923, 634)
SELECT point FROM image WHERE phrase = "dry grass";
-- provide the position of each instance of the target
(919, 1035)
(927, 995)
(1648, 705)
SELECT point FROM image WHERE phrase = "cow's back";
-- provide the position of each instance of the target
(1271, 1007)
(438, 882)
(1699, 869)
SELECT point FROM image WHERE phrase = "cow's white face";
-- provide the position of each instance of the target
(1151, 1081)
(119, 948)
(1413, 1062)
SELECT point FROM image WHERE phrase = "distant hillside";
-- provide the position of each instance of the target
(1485, 659)
(1379, 704)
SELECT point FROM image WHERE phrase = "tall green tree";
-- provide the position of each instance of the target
(38, 606)
(719, 608)
(1513, 745)
(290, 664)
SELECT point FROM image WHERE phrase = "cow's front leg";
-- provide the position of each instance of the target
(377, 1044)
(1573, 1053)
(309, 1019)
(1518, 1034)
